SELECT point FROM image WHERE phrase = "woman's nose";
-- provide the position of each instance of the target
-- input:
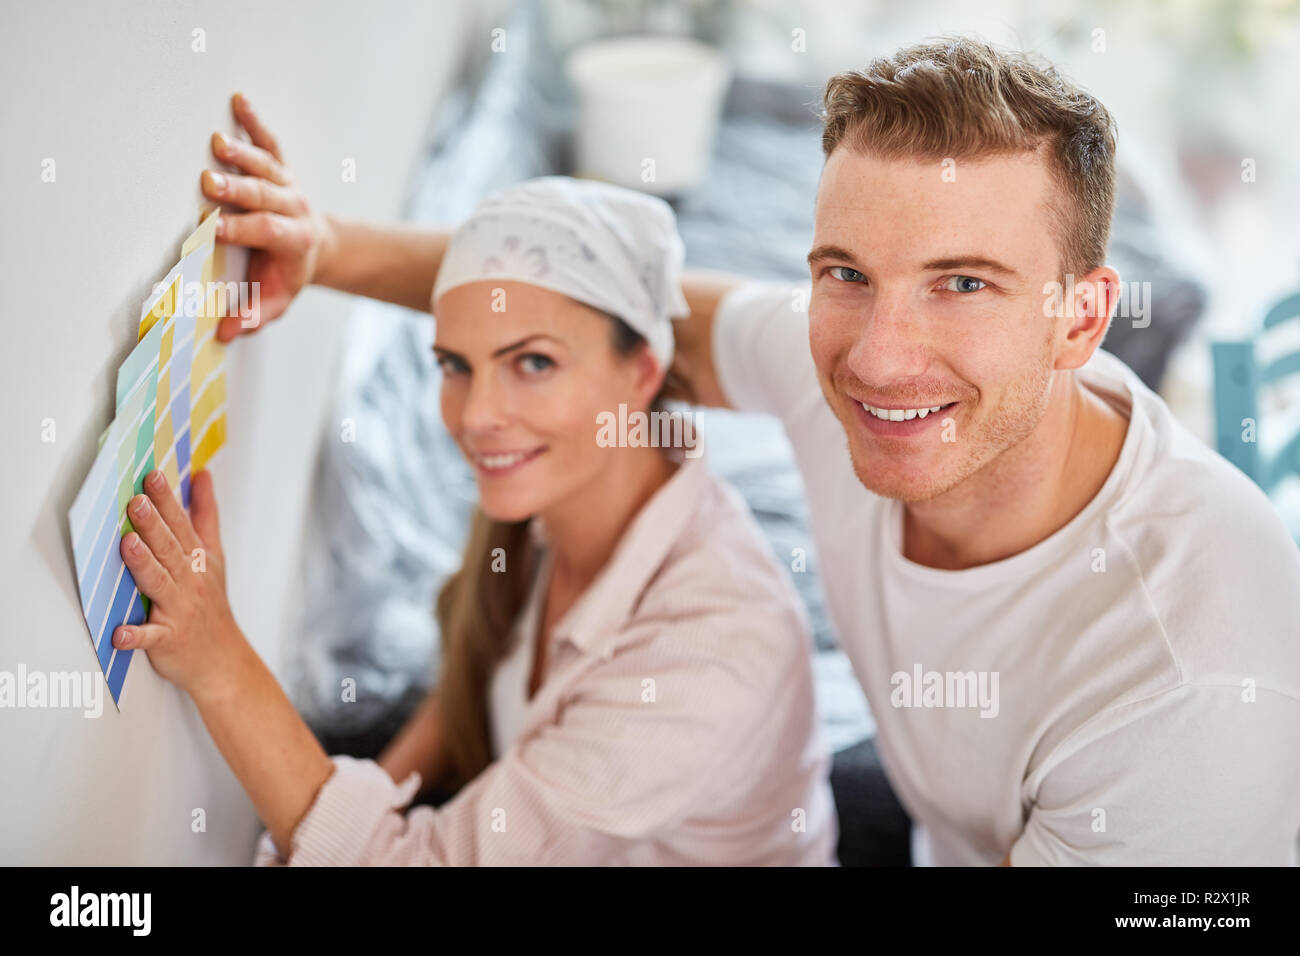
(485, 406)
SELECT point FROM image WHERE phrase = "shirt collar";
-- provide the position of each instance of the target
(595, 622)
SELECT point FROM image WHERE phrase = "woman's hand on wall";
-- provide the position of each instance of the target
(287, 237)
(191, 636)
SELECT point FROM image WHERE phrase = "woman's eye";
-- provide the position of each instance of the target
(845, 274)
(963, 284)
(534, 362)
(450, 364)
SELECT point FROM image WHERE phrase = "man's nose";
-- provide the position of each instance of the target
(890, 342)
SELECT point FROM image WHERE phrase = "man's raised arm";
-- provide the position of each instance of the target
(295, 245)
(704, 290)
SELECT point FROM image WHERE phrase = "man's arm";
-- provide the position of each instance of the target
(296, 246)
(395, 264)
(399, 264)
(704, 290)
(1194, 775)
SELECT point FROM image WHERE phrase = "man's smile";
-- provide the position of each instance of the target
(900, 421)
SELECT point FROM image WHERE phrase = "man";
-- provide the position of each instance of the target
(1078, 629)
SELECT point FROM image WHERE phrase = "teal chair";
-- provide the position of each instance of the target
(1239, 379)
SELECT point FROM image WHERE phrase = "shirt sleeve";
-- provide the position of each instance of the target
(349, 805)
(612, 768)
(1199, 775)
(760, 348)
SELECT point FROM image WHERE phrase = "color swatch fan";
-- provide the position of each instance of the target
(171, 415)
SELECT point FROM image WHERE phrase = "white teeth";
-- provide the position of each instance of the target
(899, 414)
(501, 461)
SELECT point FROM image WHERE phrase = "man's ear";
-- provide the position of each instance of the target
(1088, 303)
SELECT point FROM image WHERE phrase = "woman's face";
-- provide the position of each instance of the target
(526, 371)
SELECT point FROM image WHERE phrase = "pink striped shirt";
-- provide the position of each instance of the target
(675, 724)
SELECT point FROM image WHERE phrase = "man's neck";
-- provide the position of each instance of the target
(1028, 493)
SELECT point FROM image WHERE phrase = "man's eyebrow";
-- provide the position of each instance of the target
(970, 262)
(948, 262)
(830, 252)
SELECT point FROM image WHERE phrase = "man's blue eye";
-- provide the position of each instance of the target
(964, 284)
(851, 275)
(535, 362)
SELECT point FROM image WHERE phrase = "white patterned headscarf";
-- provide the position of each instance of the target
(611, 248)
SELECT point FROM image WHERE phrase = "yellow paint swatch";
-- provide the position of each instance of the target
(207, 397)
(213, 439)
(205, 377)
(163, 309)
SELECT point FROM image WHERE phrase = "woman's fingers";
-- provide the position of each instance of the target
(157, 538)
(271, 216)
(233, 325)
(251, 159)
(172, 511)
(140, 637)
(283, 235)
(203, 503)
(252, 193)
(150, 577)
(248, 119)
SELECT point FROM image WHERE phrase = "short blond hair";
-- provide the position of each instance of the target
(959, 97)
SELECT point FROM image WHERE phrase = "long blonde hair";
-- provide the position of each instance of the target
(476, 609)
(478, 605)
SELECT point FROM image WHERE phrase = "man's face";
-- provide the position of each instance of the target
(927, 291)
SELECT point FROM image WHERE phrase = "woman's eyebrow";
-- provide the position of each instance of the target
(439, 350)
(525, 341)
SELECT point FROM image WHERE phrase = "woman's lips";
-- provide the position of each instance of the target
(500, 463)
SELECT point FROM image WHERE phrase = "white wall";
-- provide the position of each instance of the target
(114, 93)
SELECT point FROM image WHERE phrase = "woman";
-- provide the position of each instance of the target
(626, 674)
